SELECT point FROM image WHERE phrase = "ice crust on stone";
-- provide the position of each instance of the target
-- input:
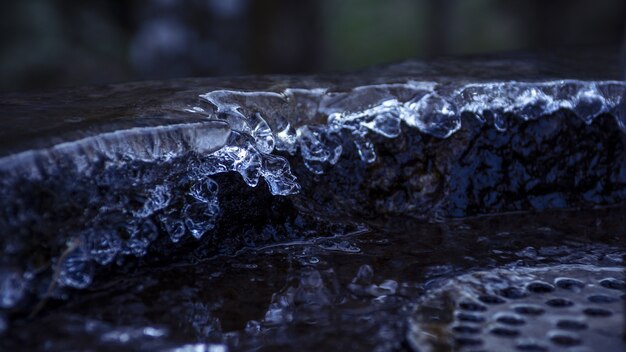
(242, 155)
(311, 121)
(146, 144)
(141, 201)
(114, 236)
(245, 132)
(152, 204)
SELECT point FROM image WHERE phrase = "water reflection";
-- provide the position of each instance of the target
(309, 296)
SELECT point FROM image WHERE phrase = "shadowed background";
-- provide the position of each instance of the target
(47, 44)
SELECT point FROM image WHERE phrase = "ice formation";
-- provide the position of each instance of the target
(139, 182)
(310, 121)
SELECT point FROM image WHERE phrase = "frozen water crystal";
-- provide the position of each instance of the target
(204, 191)
(241, 156)
(76, 270)
(249, 166)
(530, 103)
(262, 134)
(286, 139)
(141, 235)
(433, 115)
(174, 227)
(588, 104)
(386, 123)
(202, 210)
(156, 198)
(103, 245)
(364, 147)
(122, 146)
(430, 111)
(317, 146)
(499, 120)
(199, 218)
(277, 174)
(311, 144)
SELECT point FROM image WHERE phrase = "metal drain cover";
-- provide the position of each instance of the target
(557, 308)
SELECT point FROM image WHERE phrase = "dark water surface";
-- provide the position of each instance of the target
(355, 292)
(464, 204)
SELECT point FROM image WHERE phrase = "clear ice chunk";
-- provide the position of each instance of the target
(286, 139)
(433, 115)
(530, 103)
(588, 104)
(156, 198)
(240, 156)
(202, 210)
(173, 226)
(204, 191)
(262, 133)
(249, 166)
(386, 123)
(141, 235)
(199, 218)
(102, 246)
(364, 147)
(277, 174)
(318, 147)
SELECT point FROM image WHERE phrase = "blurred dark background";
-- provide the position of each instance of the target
(53, 43)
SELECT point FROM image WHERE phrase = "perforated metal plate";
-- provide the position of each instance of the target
(557, 308)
